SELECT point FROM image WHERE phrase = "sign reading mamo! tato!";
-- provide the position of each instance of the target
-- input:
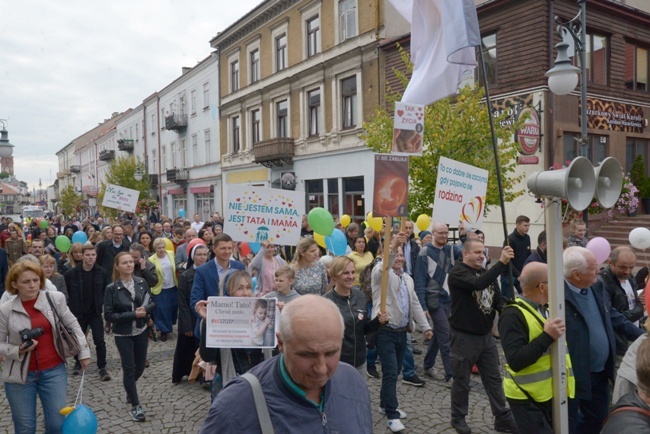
(614, 116)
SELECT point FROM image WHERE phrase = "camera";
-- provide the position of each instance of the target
(26, 335)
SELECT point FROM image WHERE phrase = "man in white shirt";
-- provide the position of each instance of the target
(197, 224)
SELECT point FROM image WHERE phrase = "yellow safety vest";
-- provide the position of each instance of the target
(536, 379)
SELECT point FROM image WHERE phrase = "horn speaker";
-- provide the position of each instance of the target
(576, 183)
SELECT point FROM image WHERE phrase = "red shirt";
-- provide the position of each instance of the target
(45, 355)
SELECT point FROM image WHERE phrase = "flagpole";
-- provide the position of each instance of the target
(498, 167)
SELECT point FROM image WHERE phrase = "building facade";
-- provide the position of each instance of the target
(297, 80)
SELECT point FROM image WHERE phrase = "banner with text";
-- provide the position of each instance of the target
(391, 186)
(241, 322)
(460, 194)
(256, 214)
(120, 198)
(408, 129)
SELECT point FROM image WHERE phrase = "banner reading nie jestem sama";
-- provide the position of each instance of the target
(256, 214)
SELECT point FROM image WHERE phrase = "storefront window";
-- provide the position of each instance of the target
(595, 150)
(180, 202)
(204, 205)
(314, 192)
(354, 201)
(634, 147)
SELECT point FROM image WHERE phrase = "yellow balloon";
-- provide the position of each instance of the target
(320, 240)
(345, 220)
(168, 244)
(375, 223)
(423, 221)
(66, 410)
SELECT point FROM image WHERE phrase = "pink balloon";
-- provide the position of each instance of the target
(600, 247)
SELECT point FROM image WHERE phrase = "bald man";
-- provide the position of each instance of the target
(621, 289)
(306, 388)
(526, 336)
(590, 325)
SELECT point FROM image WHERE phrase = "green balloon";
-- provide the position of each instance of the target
(44, 224)
(62, 243)
(321, 221)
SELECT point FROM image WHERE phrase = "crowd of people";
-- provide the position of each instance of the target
(137, 281)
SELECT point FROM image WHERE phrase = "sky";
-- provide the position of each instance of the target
(65, 66)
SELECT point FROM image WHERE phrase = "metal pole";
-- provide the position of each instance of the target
(556, 310)
(584, 138)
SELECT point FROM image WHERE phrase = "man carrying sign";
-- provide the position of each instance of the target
(403, 308)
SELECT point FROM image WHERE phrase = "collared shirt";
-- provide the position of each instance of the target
(538, 307)
(286, 378)
(117, 246)
(220, 270)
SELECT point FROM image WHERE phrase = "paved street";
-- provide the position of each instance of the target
(182, 408)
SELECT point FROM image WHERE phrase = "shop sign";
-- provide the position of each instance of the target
(528, 135)
(614, 116)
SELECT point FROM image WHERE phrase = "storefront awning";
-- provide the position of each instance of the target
(196, 190)
(176, 191)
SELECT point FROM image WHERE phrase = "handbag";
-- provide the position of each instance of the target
(65, 341)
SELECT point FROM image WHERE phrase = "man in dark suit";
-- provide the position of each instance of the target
(590, 325)
(108, 250)
(208, 275)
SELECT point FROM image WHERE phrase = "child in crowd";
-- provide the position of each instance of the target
(578, 235)
(284, 277)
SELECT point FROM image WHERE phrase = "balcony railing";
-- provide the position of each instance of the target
(178, 175)
(176, 123)
(106, 155)
(276, 151)
(125, 145)
(75, 168)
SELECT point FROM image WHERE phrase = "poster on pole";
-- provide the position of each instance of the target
(460, 194)
(120, 198)
(241, 322)
(390, 198)
(256, 214)
(408, 129)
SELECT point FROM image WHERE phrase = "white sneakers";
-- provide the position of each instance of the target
(396, 425)
(402, 414)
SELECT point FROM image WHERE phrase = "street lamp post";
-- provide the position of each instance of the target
(138, 174)
(563, 77)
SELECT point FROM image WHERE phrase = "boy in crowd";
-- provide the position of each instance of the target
(578, 235)
(284, 277)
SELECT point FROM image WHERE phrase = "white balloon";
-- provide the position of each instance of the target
(640, 238)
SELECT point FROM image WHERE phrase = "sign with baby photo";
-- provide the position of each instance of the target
(390, 198)
(241, 322)
(408, 133)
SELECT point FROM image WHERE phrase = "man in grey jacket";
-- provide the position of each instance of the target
(403, 308)
(306, 388)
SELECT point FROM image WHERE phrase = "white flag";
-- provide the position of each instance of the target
(443, 36)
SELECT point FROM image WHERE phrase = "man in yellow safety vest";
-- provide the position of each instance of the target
(526, 336)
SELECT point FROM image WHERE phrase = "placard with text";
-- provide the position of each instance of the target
(241, 322)
(408, 129)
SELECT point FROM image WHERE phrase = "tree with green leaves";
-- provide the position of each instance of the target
(456, 128)
(122, 172)
(69, 200)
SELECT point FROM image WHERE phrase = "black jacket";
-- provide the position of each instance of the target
(355, 317)
(186, 320)
(627, 421)
(618, 297)
(148, 274)
(475, 297)
(106, 254)
(119, 307)
(521, 245)
(74, 284)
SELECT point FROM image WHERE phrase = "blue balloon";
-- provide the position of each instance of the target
(82, 420)
(254, 283)
(181, 213)
(79, 237)
(255, 247)
(337, 243)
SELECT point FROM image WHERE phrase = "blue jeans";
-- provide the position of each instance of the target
(391, 347)
(371, 353)
(50, 385)
(441, 339)
(408, 367)
(587, 416)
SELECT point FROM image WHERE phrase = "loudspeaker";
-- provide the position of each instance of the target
(609, 182)
(576, 183)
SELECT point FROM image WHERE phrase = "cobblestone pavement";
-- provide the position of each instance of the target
(182, 408)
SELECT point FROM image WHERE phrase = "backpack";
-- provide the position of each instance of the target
(365, 278)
